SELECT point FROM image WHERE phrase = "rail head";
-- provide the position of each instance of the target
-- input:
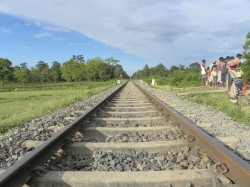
(230, 164)
(19, 173)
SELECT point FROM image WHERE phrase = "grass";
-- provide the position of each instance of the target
(48, 86)
(215, 98)
(18, 107)
(221, 102)
(188, 89)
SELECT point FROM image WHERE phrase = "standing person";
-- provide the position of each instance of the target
(223, 73)
(153, 82)
(219, 71)
(214, 73)
(238, 58)
(236, 75)
(203, 72)
(228, 78)
(209, 77)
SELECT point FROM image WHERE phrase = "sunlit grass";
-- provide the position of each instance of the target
(190, 89)
(215, 98)
(221, 102)
(18, 107)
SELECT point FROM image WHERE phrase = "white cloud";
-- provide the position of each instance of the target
(77, 44)
(42, 35)
(50, 28)
(6, 30)
(55, 29)
(163, 31)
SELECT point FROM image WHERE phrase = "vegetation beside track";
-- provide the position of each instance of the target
(220, 102)
(216, 99)
(30, 101)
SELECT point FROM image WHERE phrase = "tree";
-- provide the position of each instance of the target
(34, 75)
(78, 58)
(43, 71)
(112, 63)
(79, 74)
(55, 71)
(246, 53)
(160, 70)
(93, 67)
(103, 69)
(181, 67)
(195, 66)
(174, 68)
(120, 73)
(73, 70)
(22, 73)
(146, 71)
(138, 75)
(6, 70)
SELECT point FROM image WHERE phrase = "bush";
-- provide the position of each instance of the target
(177, 78)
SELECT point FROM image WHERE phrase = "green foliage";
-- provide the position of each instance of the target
(183, 78)
(93, 67)
(73, 70)
(6, 71)
(158, 71)
(246, 53)
(98, 69)
(55, 71)
(89, 94)
(18, 107)
(78, 58)
(22, 73)
(176, 76)
(34, 75)
(111, 61)
(180, 76)
(42, 70)
(195, 66)
(118, 72)
(220, 102)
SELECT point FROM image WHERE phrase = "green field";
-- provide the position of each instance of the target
(220, 102)
(19, 106)
(215, 98)
(190, 89)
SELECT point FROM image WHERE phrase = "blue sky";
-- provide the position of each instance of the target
(136, 32)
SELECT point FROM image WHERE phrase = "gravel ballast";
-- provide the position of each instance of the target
(44, 127)
(215, 123)
(41, 129)
(166, 135)
(184, 158)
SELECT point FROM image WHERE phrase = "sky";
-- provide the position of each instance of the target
(135, 32)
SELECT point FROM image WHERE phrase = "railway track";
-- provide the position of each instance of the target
(130, 138)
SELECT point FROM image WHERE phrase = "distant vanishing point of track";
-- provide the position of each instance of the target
(130, 138)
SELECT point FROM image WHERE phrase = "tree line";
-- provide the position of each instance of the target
(174, 76)
(75, 69)
(186, 76)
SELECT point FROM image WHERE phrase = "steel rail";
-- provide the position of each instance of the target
(19, 173)
(230, 164)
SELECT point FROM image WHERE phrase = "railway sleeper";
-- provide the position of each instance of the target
(129, 164)
(178, 178)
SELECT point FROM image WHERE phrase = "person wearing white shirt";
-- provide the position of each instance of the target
(203, 72)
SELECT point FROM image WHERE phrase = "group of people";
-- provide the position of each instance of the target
(226, 73)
